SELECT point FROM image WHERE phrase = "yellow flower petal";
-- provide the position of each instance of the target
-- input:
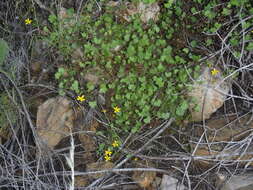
(115, 144)
(80, 98)
(116, 109)
(107, 158)
(108, 153)
(214, 72)
(28, 21)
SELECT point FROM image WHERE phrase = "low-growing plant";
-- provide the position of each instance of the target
(144, 75)
(7, 114)
(4, 49)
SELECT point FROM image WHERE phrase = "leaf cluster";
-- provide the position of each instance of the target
(147, 75)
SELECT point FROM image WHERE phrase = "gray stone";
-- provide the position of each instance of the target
(239, 182)
(170, 183)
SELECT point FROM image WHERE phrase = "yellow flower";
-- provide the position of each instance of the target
(214, 72)
(104, 110)
(28, 21)
(116, 109)
(107, 158)
(136, 158)
(115, 144)
(108, 153)
(80, 98)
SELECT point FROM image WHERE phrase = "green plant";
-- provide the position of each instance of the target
(7, 113)
(141, 70)
(67, 80)
(4, 49)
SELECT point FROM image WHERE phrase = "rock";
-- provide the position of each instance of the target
(88, 142)
(156, 183)
(208, 94)
(228, 128)
(91, 78)
(239, 182)
(94, 76)
(81, 181)
(143, 178)
(67, 19)
(54, 121)
(98, 166)
(147, 12)
(130, 187)
(101, 99)
(117, 48)
(170, 183)
(219, 134)
(112, 3)
(77, 55)
(63, 13)
(36, 66)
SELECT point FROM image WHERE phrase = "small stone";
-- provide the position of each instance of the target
(221, 132)
(63, 13)
(147, 12)
(54, 121)
(81, 181)
(239, 182)
(88, 142)
(77, 55)
(91, 78)
(112, 3)
(207, 95)
(98, 166)
(156, 183)
(170, 183)
(101, 99)
(143, 178)
(36, 66)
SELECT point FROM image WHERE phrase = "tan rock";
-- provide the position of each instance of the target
(94, 76)
(229, 128)
(81, 181)
(207, 95)
(54, 121)
(68, 19)
(88, 142)
(63, 13)
(156, 183)
(77, 55)
(91, 78)
(112, 3)
(147, 12)
(219, 134)
(98, 166)
(143, 178)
